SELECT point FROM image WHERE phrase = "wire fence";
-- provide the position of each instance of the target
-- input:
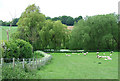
(31, 62)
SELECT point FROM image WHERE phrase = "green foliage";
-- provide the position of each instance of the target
(57, 34)
(25, 48)
(67, 20)
(98, 32)
(30, 24)
(16, 48)
(38, 54)
(78, 18)
(14, 21)
(8, 72)
(41, 33)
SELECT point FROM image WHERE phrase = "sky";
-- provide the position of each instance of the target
(13, 8)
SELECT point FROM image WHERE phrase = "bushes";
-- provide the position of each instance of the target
(38, 55)
(25, 48)
(16, 48)
(8, 72)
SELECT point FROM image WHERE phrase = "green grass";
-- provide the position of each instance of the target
(3, 33)
(80, 67)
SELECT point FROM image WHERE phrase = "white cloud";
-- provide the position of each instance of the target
(54, 8)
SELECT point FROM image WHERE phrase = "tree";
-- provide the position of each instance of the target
(48, 18)
(41, 33)
(98, 32)
(30, 24)
(70, 21)
(78, 18)
(57, 34)
(55, 18)
(14, 21)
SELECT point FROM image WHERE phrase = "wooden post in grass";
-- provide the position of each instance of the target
(13, 62)
(23, 62)
(29, 62)
(1, 61)
(18, 59)
(39, 61)
(36, 62)
(33, 62)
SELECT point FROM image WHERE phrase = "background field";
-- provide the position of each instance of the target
(80, 67)
(3, 33)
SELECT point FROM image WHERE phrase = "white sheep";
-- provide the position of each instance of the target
(84, 53)
(97, 53)
(105, 59)
(110, 54)
(69, 55)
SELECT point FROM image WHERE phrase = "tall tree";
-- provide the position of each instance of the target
(29, 24)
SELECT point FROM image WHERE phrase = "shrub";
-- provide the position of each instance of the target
(25, 48)
(9, 49)
(16, 48)
(8, 72)
(38, 54)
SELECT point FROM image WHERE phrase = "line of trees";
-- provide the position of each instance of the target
(7, 23)
(95, 33)
(67, 20)
(98, 32)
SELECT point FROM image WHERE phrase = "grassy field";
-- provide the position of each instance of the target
(80, 67)
(3, 33)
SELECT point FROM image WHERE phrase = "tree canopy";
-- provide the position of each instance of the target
(95, 33)
(41, 33)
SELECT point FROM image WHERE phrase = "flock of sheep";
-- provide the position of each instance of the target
(98, 56)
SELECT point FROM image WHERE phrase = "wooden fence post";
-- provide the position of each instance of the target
(39, 61)
(29, 62)
(1, 61)
(33, 62)
(23, 63)
(13, 62)
(36, 62)
(18, 59)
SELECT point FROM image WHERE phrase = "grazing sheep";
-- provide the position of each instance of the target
(103, 56)
(109, 58)
(110, 54)
(105, 59)
(73, 53)
(69, 55)
(97, 53)
(78, 54)
(84, 53)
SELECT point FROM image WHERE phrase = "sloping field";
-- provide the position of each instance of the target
(3, 33)
(81, 67)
